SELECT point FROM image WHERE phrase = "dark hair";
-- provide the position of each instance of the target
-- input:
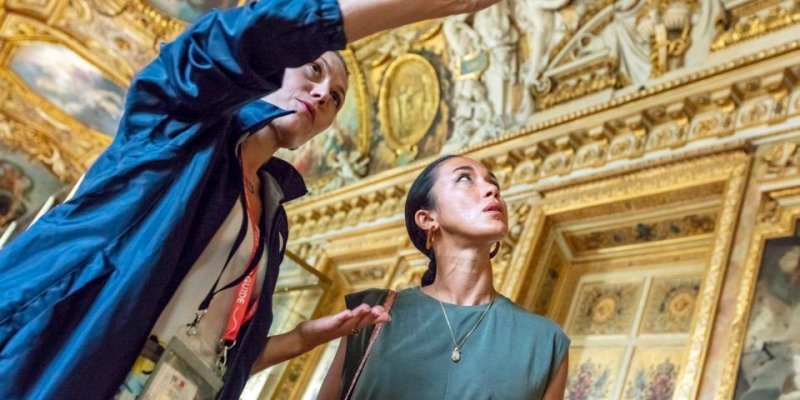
(420, 197)
(344, 63)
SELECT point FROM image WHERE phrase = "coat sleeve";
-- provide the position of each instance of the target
(226, 59)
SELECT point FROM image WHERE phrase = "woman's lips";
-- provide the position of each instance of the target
(494, 207)
(311, 112)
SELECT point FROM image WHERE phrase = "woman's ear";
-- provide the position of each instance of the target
(424, 219)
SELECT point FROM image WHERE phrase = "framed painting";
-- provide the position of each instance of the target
(190, 10)
(69, 82)
(25, 185)
(769, 366)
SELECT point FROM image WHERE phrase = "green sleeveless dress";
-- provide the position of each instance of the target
(513, 354)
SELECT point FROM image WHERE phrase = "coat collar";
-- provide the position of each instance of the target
(252, 117)
(290, 181)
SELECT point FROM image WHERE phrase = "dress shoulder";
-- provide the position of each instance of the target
(543, 327)
(372, 297)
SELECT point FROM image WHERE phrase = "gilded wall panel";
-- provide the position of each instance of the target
(671, 305)
(604, 308)
(654, 373)
(595, 372)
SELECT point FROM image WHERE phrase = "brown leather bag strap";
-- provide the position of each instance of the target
(388, 306)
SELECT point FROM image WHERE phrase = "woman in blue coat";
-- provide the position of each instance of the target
(82, 289)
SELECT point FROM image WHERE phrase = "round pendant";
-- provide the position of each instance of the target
(456, 356)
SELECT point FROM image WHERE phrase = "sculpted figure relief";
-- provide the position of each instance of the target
(473, 115)
(500, 40)
(537, 19)
(706, 24)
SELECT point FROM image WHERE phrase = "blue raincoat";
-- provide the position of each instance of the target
(81, 290)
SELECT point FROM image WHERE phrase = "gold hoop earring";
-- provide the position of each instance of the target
(495, 250)
(429, 238)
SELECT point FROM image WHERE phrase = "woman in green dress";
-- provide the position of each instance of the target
(455, 337)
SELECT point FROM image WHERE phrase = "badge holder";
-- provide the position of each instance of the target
(182, 374)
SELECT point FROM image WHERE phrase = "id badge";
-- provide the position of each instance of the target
(182, 374)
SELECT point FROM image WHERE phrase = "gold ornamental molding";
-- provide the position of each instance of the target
(41, 147)
(41, 9)
(362, 100)
(164, 25)
(750, 24)
(571, 84)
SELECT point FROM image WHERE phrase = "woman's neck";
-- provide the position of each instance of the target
(257, 149)
(463, 277)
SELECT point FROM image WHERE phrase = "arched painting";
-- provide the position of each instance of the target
(71, 83)
(770, 360)
(24, 186)
(190, 10)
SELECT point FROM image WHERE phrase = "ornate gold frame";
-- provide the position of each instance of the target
(362, 101)
(779, 211)
(409, 144)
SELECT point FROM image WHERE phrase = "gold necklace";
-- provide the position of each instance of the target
(457, 346)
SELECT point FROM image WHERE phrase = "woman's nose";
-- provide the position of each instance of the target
(321, 95)
(491, 190)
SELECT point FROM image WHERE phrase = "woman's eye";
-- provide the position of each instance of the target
(464, 177)
(337, 99)
(315, 67)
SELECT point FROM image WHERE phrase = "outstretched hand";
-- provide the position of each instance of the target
(323, 329)
(365, 17)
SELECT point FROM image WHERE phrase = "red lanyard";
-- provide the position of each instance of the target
(241, 310)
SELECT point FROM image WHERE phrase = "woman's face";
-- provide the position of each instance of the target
(468, 201)
(315, 91)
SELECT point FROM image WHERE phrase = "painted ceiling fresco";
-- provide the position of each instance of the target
(436, 87)
(67, 81)
(190, 10)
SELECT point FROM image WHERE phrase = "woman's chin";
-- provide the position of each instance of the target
(494, 234)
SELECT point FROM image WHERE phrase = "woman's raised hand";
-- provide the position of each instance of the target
(365, 17)
(321, 330)
(310, 334)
